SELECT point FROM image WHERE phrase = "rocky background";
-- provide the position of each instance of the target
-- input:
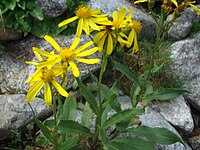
(181, 115)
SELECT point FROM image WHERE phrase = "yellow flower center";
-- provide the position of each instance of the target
(47, 75)
(136, 25)
(67, 54)
(83, 12)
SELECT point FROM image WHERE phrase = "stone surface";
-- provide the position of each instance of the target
(15, 71)
(152, 119)
(148, 24)
(15, 113)
(185, 65)
(8, 34)
(176, 112)
(182, 26)
(52, 8)
(194, 142)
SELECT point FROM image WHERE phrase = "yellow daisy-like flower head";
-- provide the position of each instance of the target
(119, 19)
(45, 77)
(69, 55)
(87, 19)
(135, 27)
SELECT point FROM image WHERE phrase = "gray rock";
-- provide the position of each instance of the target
(176, 112)
(152, 119)
(194, 142)
(15, 113)
(185, 65)
(8, 34)
(52, 8)
(182, 26)
(148, 24)
(15, 70)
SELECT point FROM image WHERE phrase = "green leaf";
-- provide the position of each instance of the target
(123, 115)
(156, 135)
(70, 143)
(123, 69)
(88, 97)
(22, 5)
(69, 108)
(10, 4)
(130, 144)
(164, 94)
(37, 13)
(110, 100)
(86, 116)
(49, 123)
(44, 130)
(93, 77)
(135, 91)
(102, 136)
(73, 127)
(20, 16)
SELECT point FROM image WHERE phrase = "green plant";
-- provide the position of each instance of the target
(63, 131)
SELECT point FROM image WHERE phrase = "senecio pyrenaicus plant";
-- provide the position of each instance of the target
(108, 36)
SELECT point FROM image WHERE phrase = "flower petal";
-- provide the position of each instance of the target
(34, 89)
(122, 13)
(86, 26)
(87, 52)
(75, 43)
(67, 21)
(44, 53)
(131, 37)
(95, 12)
(79, 27)
(109, 45)
(37, 54)
(98, 36)
(75, 69)
(101, 43)
(88, 61)
(114, 15)
(59, 88)
(93, 25)
(81, 48)
(174, 2)
(47, 94)
(52, 42)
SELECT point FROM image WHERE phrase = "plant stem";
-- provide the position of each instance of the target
(55, 123)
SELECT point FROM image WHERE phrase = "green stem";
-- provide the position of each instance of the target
(55, 121)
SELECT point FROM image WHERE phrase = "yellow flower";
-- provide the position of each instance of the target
(119, 19)
(112, 32)
(107, 34)
(69, 55)
(44, 77)
(87, 19)
(135, 27)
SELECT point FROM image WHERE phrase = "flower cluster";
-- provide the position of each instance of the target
(55, 64)
(169, 6)
(120, 28)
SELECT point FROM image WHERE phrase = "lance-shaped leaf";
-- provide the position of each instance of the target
(70, 126)
(89, 97)
(164, 94)
(130, 143)
(123, 69)
(156, 135)
(44, 130)
(123, 115)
